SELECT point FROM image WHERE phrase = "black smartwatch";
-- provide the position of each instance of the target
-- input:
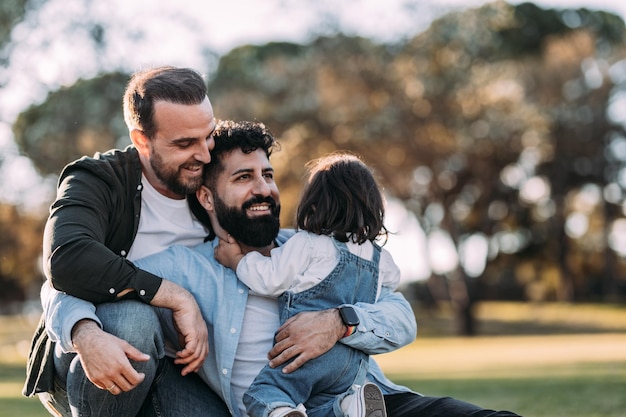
(349, 316)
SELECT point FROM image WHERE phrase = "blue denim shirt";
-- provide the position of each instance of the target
(385, 326)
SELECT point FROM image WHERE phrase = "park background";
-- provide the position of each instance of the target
(496, 129)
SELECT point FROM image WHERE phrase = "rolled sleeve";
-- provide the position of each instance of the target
(62, 312)
(384, 326)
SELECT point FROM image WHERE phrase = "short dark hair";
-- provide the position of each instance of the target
(175, 85)
(342, 199)
(230, 135)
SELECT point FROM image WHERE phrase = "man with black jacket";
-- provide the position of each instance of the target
(111, 209)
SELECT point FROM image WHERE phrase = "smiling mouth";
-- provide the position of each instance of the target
(260, 208)
(193, 168)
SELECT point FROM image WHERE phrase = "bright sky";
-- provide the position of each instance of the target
(385, 20)
(178, 33)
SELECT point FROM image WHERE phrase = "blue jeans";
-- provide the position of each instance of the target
(329, 376)
(164, 392)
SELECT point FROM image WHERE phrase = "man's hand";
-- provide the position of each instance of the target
(105, 358)
(192, 329)
(306, 336)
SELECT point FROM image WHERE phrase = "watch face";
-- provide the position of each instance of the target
(349, 316)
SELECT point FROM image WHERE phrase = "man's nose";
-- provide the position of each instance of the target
(261, 187)
(203, 150)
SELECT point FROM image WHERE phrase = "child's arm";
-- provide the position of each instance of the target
(228, 253)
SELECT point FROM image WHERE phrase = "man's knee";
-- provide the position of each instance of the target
(133, 321)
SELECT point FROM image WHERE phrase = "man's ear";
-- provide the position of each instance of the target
(205, 197)
(140, 140)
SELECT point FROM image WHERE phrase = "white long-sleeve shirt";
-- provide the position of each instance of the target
(304, 261)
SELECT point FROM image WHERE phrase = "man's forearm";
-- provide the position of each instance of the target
(83, 330)
(172, 296)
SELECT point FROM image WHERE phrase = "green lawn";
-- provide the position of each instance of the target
(593, 391)
(12, 403)
(584, 391)
(576, 370)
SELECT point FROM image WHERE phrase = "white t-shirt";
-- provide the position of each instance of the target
(164, 222)
(260, 322)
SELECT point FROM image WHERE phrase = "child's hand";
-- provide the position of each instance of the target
(228, 252)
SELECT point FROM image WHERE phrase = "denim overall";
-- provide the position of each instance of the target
(321, 382)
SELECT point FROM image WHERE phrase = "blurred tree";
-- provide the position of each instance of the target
(12, 12)
(472, 123)
(73, 122)
(492, 126)
(20, 248)
(496, 77)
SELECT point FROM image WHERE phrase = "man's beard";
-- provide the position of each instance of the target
(172, 178)
(256, 232)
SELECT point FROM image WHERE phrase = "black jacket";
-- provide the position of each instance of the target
(92, 225)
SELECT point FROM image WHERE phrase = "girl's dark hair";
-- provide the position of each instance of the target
(175, 85)
(342, 199)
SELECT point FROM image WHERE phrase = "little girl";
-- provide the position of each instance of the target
(332, 261)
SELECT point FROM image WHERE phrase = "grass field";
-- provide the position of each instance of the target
(537, 360)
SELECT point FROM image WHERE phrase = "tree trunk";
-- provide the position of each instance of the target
(462, 301)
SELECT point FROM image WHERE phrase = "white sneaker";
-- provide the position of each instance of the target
(367, 401)
(299, 411)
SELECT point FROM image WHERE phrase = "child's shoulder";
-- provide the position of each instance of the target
(309, 240)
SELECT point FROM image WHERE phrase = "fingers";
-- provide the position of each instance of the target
(135, 354)
(123, 382)
(194, 340)
(300, 360)
(123, 378)
(283, 333)
(275, 355)
(129, 378)
(193, 357)
(114, 389)
(299, 356)
(302, 338)
(282, 353)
